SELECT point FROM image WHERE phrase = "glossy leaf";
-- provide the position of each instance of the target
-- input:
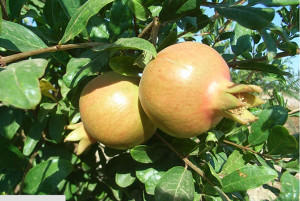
(124, 65)
(45, 108)
(267, 119)
(0, 21)
(260, 17)
(175, 9)
(152, 181)
(125, 174)
(44, 177)
(129, 43)
(272, 3)
(148, 154)
(270, 44)
(13, 7)
(11, 157)
(49, 152)
(120, 18)
(281, 142)
(144, 172)
(89, 63)
(19, 85)
(236, 160)
(240, 39)
(247, 177)
(11, 120)
(80, 18)
(33, 137)
(138, 9)
(70, 6)
(176, 184)
(289, 187)
(263, 67)
(18, 38)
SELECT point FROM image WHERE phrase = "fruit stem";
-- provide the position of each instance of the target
(189, 163)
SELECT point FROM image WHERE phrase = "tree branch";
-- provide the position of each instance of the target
(189, 163)
(146, 30)
(3, 9)
(279, 55)
(248, 149)
(15, 57)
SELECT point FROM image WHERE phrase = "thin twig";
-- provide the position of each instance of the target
(15, 57)
(294, 111)
(4, 10)
(264, 58)
(146, 30)
(155, 29)
(248, 149)
(188, 162)
(249, 76)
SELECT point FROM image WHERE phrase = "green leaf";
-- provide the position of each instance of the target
(10, 156)
(124, 65)
(152, 181)
(289, 187)
(211, 174)
(185, 146)
(260, 17)
(14, 7)
(179, 8)
(129, 43)
(19, 85)
(44, 177)
(125, 173)
(138, 9)
(11, 120)
(176, 184)
(45, 108)
(33, 137)
(169, 40)
(267, 119)
(240, 39)
(0, 21)
(98, 29)
(236, 160)
(120, 18)
(49, 152)
(70, 6)
(57, 122)
(80, 18)
(88, 64)
(270, 44)
(272, 3)
(144, 172)
(280, 141)
(247, 177)
(16, 37)
(263, 67)
(148, 154)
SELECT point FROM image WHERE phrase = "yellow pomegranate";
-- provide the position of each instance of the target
(111, 114)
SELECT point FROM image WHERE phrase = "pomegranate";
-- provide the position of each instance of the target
(186, 90)
(111, 114)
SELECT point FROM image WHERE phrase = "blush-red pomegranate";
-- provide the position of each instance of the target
(186, 90)
(111, 114)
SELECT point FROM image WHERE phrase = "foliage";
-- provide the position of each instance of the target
(48, 61)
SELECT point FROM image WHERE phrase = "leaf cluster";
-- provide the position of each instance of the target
(51, 49)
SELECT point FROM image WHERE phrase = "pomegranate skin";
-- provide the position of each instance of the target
(111, 113)
(181, 88)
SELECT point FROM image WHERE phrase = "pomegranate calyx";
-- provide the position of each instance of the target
(238, 98)
(79, 134)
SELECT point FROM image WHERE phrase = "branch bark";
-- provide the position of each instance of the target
(279, 55)
(15, 57)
